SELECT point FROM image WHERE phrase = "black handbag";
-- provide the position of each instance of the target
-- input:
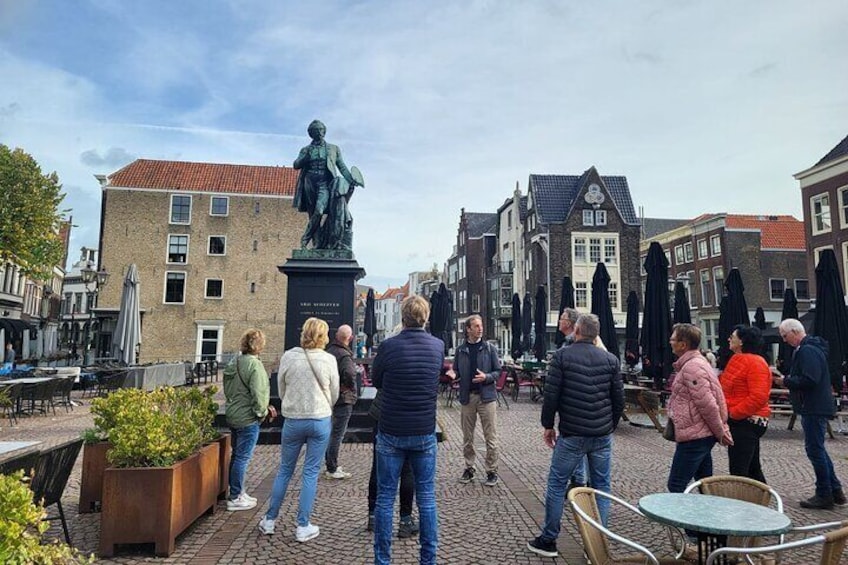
(668, 432)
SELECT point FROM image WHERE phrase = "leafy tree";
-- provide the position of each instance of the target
(29, 214)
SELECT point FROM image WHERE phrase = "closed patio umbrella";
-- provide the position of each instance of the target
(540, 345)
(682, 313)
(446, 305)
(656, 321)
(526, 322)
(790, 310)
(127, 335)
(631, 330)
(370, 324)
(760, 318)
(736, 314)
(602, 308)
(515, 347)
(566, 300)
(831, 321)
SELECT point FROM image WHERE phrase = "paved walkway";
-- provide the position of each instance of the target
(477, 524)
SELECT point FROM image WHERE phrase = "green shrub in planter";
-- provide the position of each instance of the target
(22, 528)
(157, 428)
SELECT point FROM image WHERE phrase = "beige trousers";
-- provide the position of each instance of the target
(489, 421)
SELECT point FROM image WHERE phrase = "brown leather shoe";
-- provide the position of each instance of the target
(818, 503)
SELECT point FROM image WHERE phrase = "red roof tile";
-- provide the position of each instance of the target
(777, 232)
(205, 177)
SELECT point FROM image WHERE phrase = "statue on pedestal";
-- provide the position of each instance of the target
(324, 188)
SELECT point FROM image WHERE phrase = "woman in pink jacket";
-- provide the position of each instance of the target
(697, 408)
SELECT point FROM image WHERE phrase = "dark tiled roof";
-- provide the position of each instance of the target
(840, 150)
(479, 224)
(553, 196)
(206, 177)
(652, 227)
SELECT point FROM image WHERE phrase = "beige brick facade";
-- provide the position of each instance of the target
(260, 231)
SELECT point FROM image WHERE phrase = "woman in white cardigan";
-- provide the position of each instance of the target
(308, 382)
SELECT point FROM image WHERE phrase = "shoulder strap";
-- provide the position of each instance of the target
(238, 372)
(317, 380)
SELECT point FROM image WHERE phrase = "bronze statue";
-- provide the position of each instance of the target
(324, 187)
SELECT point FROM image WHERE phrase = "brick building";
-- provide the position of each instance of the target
(573, 223)
(207, 239)
(505, 274)
(824, 194)
(769, 252)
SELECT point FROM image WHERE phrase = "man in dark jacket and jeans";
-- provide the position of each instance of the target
(406, 370)
(584, 387)
(811, 394)
(340, 349)
(477, 366)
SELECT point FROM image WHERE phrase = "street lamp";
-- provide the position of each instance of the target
(89, 276)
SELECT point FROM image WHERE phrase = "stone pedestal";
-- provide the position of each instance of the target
(320, 284)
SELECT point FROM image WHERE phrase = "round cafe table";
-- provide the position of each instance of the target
(713, 518)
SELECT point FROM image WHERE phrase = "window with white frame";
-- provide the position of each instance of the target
(667, 255)
(594, 250)
(214, 288)
(642, 260)
(475, 302)
(705, 287)
(217, 245)
(689, 285)
(180, 209)
(687, 252)
(580, 250)
(600, 217)
(610, 251)
(715, 245)
(844, 265)
(817, 254)
(678, 255)
(820, 213)
(802, 286)
(581, 294)
(776, 289)
(613, 295)
(703, 251)
(175, 284)
(843, 206)
(588, 217)
(177, 249)
(718, 277)
(219, 206)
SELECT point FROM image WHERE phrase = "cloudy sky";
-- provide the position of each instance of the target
(705, 106)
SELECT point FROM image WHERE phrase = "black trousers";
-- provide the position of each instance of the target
(744, 454)
(407, 483)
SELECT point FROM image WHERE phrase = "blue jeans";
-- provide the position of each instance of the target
(243, 444)
(814, 430)
(569, 454)
(392, 451)
(315, 433)
(692, 459)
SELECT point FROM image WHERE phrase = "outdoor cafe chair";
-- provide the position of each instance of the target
(190, 373)
(11, 401)
(62, 393)
(25, 463)
(500, 385)
(51, 476)
(833, 546)
(40, 394)
(596, 536)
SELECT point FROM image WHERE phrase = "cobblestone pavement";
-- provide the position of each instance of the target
(478, 524)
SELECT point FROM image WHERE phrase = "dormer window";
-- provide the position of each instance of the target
(589, 217)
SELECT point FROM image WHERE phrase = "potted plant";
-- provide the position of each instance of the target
(164, 468)
(22, 528)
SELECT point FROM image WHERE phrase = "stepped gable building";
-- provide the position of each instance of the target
(824, 193)
(769, 252)
(574, 222)
(476, 245)
(206, 239)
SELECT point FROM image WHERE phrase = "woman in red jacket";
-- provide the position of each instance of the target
(746, 382)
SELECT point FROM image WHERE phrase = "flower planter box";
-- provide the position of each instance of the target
(91, 485)
(155, 504)
(225, 443)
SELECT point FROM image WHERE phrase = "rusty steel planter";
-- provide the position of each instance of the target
(94, 462)
(225, 442)
(155, 504)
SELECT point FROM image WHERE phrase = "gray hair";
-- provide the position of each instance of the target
(570, 314)
(588, 326)
(792, 325)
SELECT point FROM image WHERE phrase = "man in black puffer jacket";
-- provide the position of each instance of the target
(584, 387)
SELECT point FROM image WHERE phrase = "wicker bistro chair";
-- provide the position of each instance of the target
(51, 476)
(500, 385)
(596, 536)
(62, 393)
(25, 463)
(833, 546)
(11, 402)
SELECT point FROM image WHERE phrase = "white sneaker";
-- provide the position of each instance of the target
(339, 474)
(248, 497)
(241, 503)
(266, 526)
(307, 532)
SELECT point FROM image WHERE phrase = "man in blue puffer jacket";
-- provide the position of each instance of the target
(406, 370)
